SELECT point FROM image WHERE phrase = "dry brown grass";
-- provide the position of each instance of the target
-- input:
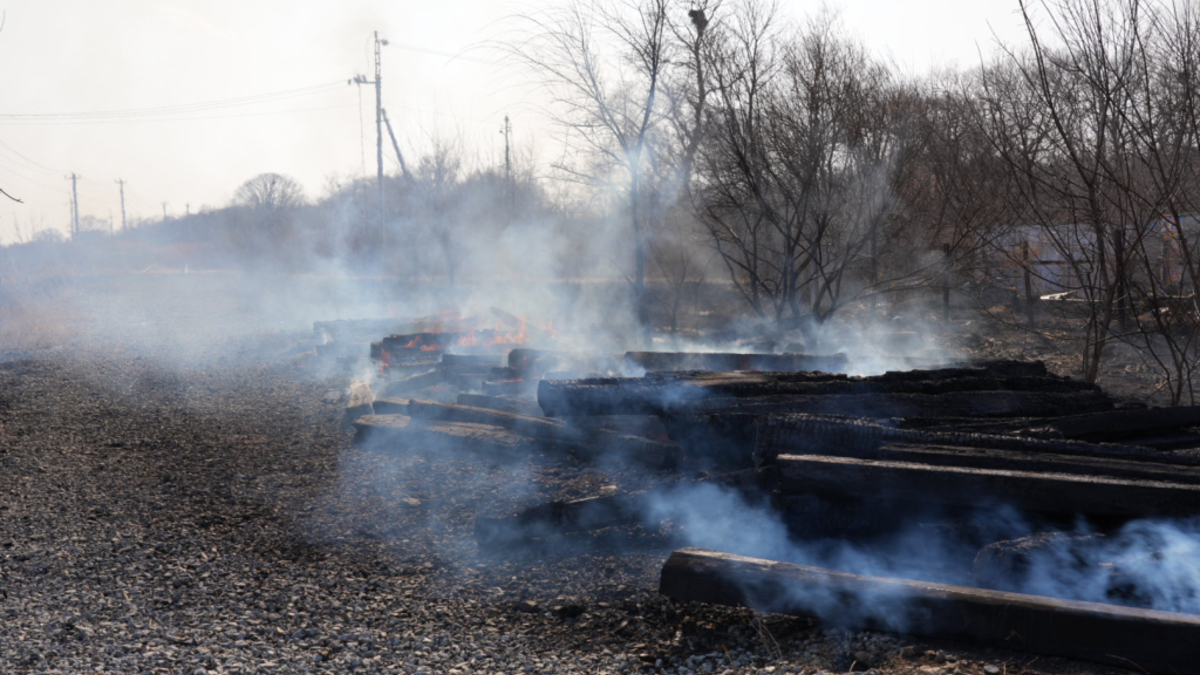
(33, 319)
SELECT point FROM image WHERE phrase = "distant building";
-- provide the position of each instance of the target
(1060, 258)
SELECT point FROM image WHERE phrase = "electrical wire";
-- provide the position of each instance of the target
(32, 164)
(190, 118)
(169, 111)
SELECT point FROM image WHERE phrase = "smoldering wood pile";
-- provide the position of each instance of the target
(834, 456)
(841, 456)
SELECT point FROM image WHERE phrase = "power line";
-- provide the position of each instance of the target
(168, 110)
(33, 164)
(7, 122)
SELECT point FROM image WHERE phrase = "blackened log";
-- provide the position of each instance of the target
(397, 344)
(1015, 460)
(959, 404)
(403, 433)
(843, 477)
(691, 361)
(857, 437)
(725, 440)
(506, 404)
(662, 392)
(1161, 642)
(1108, 426)
(523, 359)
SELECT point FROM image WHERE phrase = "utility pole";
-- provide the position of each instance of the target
(121, 182)
(507, 131)
(74, 206)
(396, 146)
(164, 212)
(508, 180)
(187, 209)
(360, 79)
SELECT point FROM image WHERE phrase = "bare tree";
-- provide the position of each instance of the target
(269, 192)
(609, 66)
(1095, 157)
(797, 178)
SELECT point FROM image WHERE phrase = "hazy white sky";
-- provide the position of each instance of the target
(185, 99)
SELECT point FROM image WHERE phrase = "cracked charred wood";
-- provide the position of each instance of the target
(987, 458)
(522, 358)
(403, 433)
(690, 361)
(959, 404)
(1162, 642)
(857, 437)
(503, 403)
(659, 392)
(852, 477)
(1126, 425)
(724, 440)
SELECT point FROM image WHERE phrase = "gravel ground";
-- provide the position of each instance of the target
(178, 495)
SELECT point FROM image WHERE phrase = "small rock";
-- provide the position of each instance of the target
(569, 611)
(991, 670)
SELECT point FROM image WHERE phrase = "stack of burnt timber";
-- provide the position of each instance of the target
(450, 428)
(527, 367)
(695, 361)
(713, 414)
(459, 371)
(840, 456)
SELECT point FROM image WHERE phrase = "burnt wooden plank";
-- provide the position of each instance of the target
(1162, 642)
(403, 433)
(843, 477)
(1126, 425)
(689, 361)
(857, 437)
(657, 393)
(504, 403)
(1016, 460)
